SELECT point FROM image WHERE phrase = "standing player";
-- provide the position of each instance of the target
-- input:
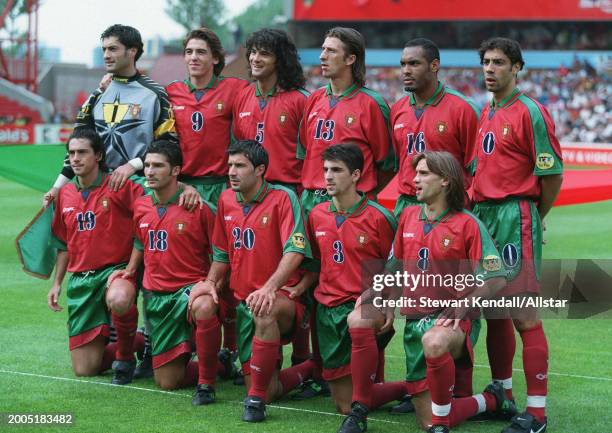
(128, 114)
(202, 106)
(351, 237)
(516, 139)
(259, 236)
(270, 111)
(435, 241)
(92, 229)
(175, 245)
(344, 111)
(432, 117)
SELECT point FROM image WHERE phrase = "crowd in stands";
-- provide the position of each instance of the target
(578, 97)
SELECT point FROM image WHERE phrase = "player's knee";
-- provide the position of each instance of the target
(434, 344)
(264, 321)
(85, 370)
(119, 302)
(203, 307)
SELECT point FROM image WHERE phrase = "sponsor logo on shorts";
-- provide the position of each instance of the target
(510, 255)
(544, 161)
(298, 240)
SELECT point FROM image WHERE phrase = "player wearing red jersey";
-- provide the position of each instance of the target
(175, 245)
(270, 109)
(259, 236)
(344, 111)
(518, 176)
(92, 228)
(350, 234)
(440, 239)
(202, 106)
(431, 117)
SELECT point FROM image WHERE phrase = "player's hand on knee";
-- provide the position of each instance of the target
(206, 287)
(120, 176)
(50, 196)
(53, 298)
(190, 198)
(260, 302)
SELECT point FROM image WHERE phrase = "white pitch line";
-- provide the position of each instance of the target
(550, 373)
(160, 391)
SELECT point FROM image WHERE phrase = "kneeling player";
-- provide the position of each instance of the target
(351, 238)
(441, 239)
(259, 236)
(175, 244)
(92, 226)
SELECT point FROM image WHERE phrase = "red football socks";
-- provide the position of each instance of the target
(501, 346)
(364, 364)
(293, 376)
(441, 380)
(263, 363)
(208, 343)
(535, 365)
(125, 326)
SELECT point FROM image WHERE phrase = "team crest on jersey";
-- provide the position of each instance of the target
(362, 239)
(441, 127)
(506, 129)
(544, 161)
(265, 220)
(180, 227)
(446, 241)
(105, 202)
(350, 119)
(282, 118)
(220, 106)
(491, 263)
(135, 111)
(298, 240)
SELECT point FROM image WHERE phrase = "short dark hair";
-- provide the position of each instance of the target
(353, 43)
(254, 152)
(214, 43)
(169, 149)
(509, 47)
(95, 141)
(128, 36)
(446, 166)
(430, 49)
(348, 153)
(278, 42)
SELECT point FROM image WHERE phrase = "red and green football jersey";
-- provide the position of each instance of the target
(253, 237)
(455, 244)
(515, 145)
(176, 242)
(95, 224)
(274, 122)
(351, 247)
(204, 125)
(448, 121)
(359, 116)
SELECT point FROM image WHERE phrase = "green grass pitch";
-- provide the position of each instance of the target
(35, 373)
